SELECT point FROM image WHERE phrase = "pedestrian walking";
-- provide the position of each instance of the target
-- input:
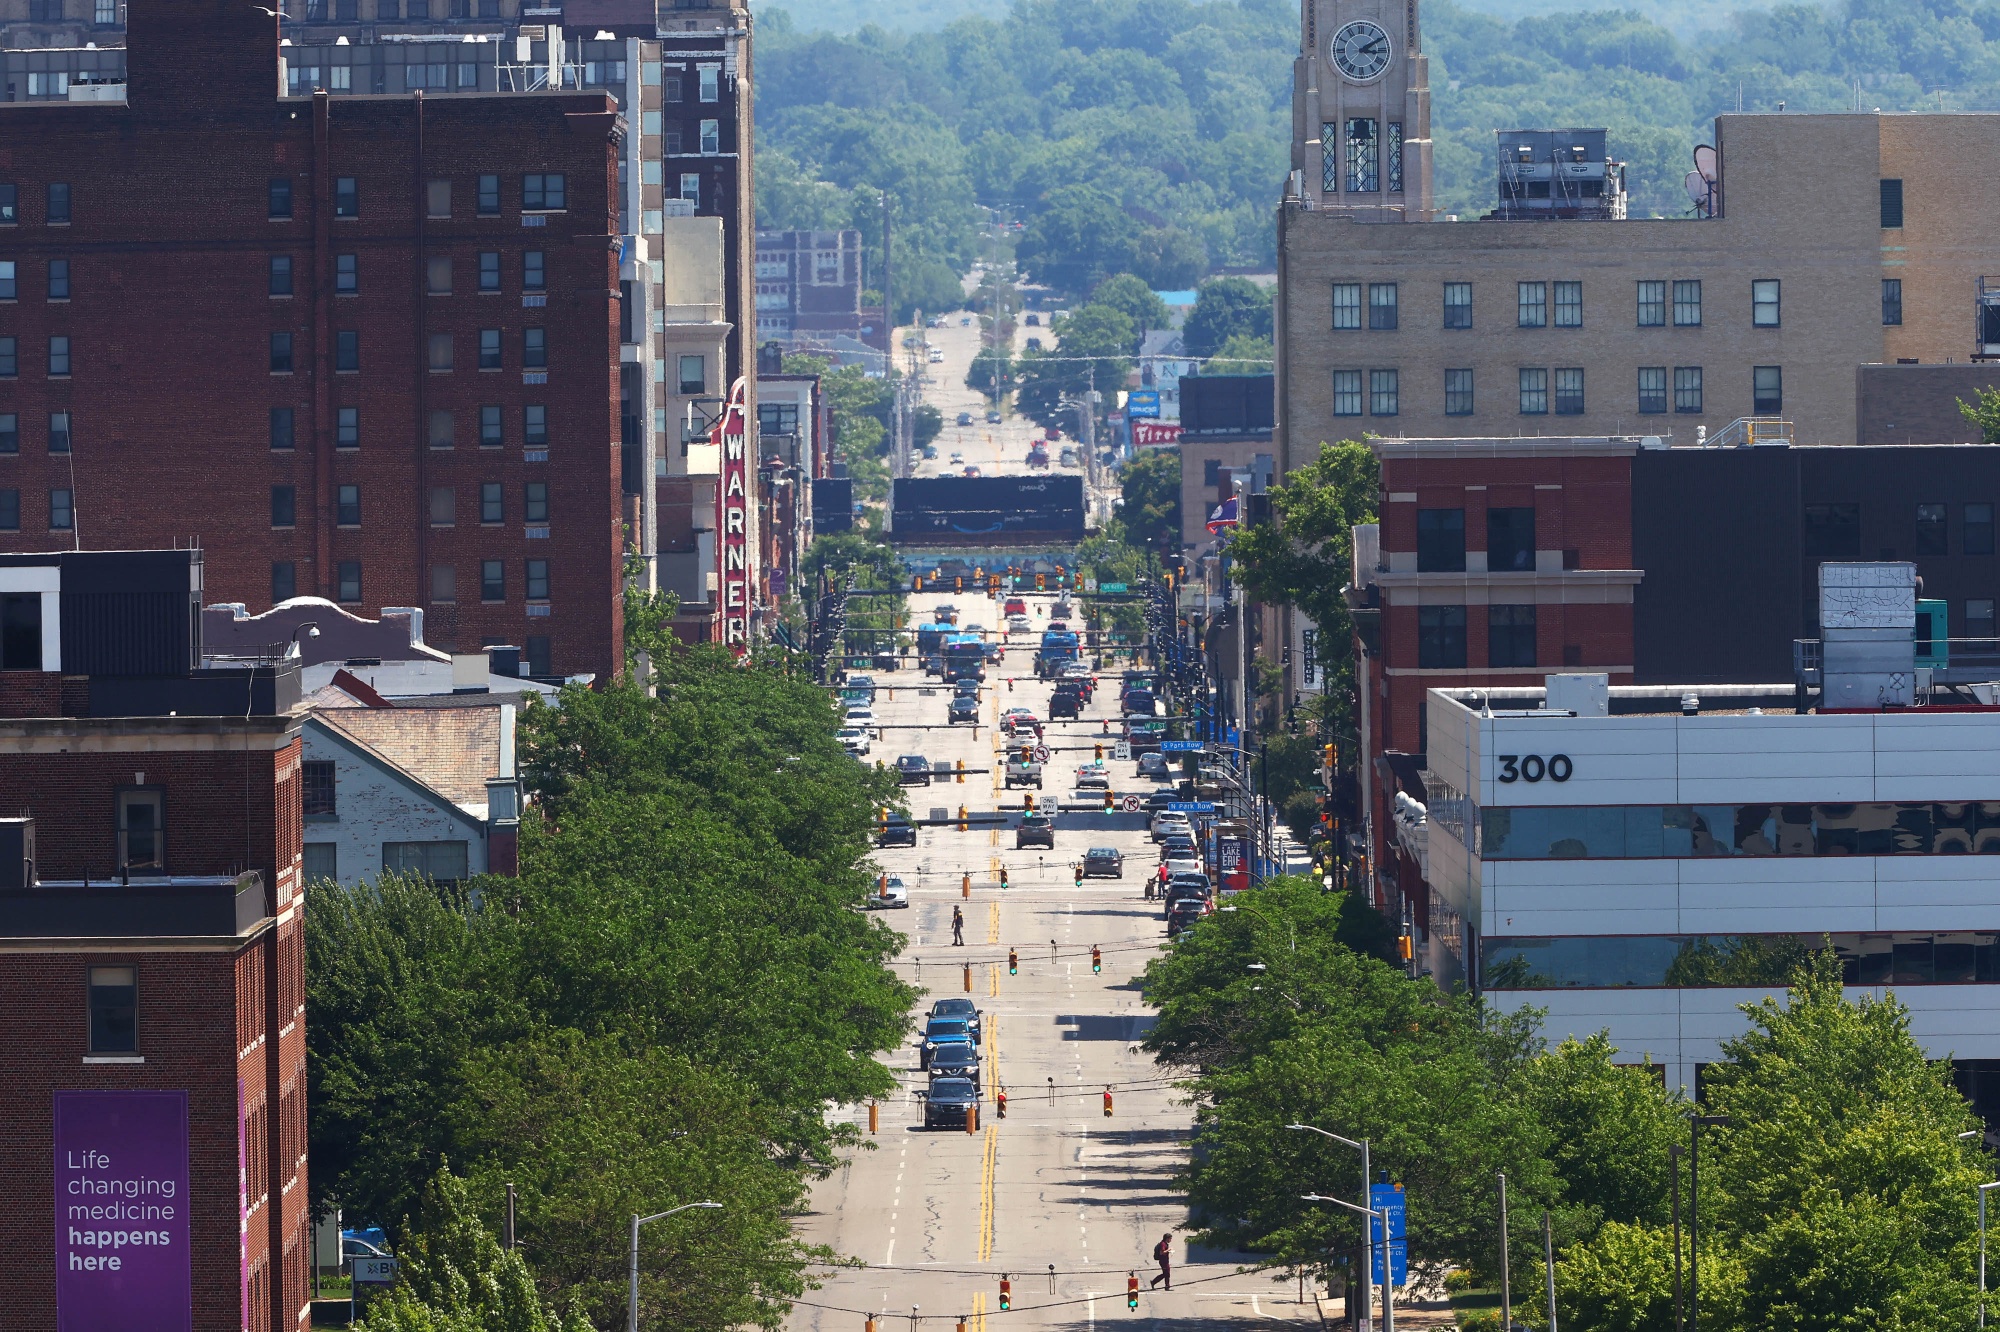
(957, 927)
(1163, 1254)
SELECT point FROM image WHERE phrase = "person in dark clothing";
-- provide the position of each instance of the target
(1163, 1254)
(957, 927)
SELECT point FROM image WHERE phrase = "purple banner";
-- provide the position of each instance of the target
(121, 1201)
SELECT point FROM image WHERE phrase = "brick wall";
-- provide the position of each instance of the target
(170, 319)
(1918, 404)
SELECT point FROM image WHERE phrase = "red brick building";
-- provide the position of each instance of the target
(1495, 562)
(152, 986)
(365, 348)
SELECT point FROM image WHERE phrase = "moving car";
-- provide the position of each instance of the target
(897, 831)
(1019, 624)
(992, 418)
(972, 471)
(956, 459)
(1065, 703)
(1171, 821)
(1154, 765)
(959, 1008)
(1183, 914)
(884, 661)
(1103, 862)
(893, 895)
(965, 686)
(963, 709)
(1063, 610)
(1035, 829)
(934, 664)
(1093, 777)
(913, 770)
(1018, 721)
(854, 740)
(965, 418)
(858, 684)
(1138, 703)
(1179, 846)
(860, 714)
(1034, 320)
(949, 1102)
(942, 1029)
(1014, 606)
(955, 1059)
(1023, 771)
(946, 614)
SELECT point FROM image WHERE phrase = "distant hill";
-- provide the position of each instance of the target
(891, 15)
(1681, 17)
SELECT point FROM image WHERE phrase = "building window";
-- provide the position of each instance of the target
(492, 502)
(318, 788)
(489, 196)
(114, 1010)
(490, 436)
(535, 502)
(349, 581)
(1363, 157)
(347, 428)
(104, 13)
(1687, 389)
(441, 862)
(1534, 392)
(437, 198)
(1931, 530)
(9, 285)
(489, 349)
(1687, 304)
(693, 374)
(284, 506)
(1979, 624)
(281, 353)
(1976, 531)
(544, 193)
(489, 270)
(1458, 393)
(1892, 301)
(492, 580)
(1767, 389)
(1764, 303)
(347, 351)
(10, 432)
(347, 506)
(21, 631)
(346, 275)
(1394, 146)
(1510, 540)
(539, 656)
(1833, 531)
(443, 428)
(322, 859)
(58, 279)
(284, 581)
(280, 283)
(711, 84)
(10, 358)
(437, 277)
(444, 506)
(1346, 305)
(58, 357)
(1532, 302)
(1382, 306)
(1441, 637)
(1569, 392)
(1652, 389)
(62, 510)
(58, 205)
(440, 352)
(691, 188)
(1652, 305)
(1458, 305)
(142, 829)
(1382, 393)
(1347, 393)
(346, 197)
(444, 584)
(711, 137)
(1510, 635)
(535, 426)
(279, 197)
(538, 580)
(1440, 540)
(58, 432)
(1569, 304)
(534, 273)
(1892, 204)
(534, 349)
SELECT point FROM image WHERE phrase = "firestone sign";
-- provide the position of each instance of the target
(121, 1211)
(735, 503)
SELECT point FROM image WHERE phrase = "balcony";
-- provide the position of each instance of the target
(196, 906)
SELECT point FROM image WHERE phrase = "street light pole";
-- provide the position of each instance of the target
(632, 1294)
(1506, 1276)
(1674, 1167)
(1388, 1263)
(1361, 1145)
(1695, 1125)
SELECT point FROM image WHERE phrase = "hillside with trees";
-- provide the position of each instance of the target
(1151, 136)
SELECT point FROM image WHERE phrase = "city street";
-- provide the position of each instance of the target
(939, 1216)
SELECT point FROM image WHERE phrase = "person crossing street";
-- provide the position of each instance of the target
(957, 927)
(1163, 1254)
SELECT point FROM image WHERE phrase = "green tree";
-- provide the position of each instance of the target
(1081, 236)
(1223, 309)
(926, 284)
(1133, 298)
(1243, 354)
(992, 373)
(1984, 413)
(1150, 500)
(926, 424)
(1094, 345)
(1609, 1130)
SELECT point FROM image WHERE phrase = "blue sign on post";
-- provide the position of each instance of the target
(1180, 746)
(1192, 806)
(1399, 1264)
(1142, 403)
(1389, 1196)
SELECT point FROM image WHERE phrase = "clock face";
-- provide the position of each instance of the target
(1361, 50)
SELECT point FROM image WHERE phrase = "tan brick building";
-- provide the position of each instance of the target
(1838, 241)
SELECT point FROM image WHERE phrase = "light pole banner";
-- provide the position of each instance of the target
(121, 1211)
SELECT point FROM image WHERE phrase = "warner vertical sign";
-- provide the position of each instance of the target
(736, 545)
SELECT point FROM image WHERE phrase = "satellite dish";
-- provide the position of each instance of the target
(1697, 187)
(1705, 161)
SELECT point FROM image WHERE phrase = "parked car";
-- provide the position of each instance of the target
(962, 709)
(897, 831)
(1103, 862)
(1035, 829)
(913, 770)
(949, 1102)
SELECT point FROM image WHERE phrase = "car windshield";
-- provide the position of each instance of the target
(1101, 853)
(1034, 821)
(951, 1089)
(914, 761)
(950, 1050)
(944, 1006)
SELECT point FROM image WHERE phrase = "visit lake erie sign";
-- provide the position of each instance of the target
(121, 1211)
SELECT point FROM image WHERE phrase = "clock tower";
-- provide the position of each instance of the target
(1361, 110)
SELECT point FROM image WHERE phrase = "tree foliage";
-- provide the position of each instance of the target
(1224, 309)
(1150, 499)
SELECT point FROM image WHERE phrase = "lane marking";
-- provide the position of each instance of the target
(993, 921)
(986, 1194)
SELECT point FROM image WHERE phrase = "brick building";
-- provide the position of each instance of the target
(367, 347)
(152, 1052)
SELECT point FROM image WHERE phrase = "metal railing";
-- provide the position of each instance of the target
(1750, 431)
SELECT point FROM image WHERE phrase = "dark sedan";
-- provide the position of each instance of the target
(913, 770)
(1103, 862)
(897, 831)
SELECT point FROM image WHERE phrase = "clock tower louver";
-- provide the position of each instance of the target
(1361, 110)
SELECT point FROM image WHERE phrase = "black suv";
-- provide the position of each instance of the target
(955, 1059)
(1035, 829)
(958, 1008)
(1065, 704)
(897, 831)
(949, 1102)
(963, 709)
(913, 770)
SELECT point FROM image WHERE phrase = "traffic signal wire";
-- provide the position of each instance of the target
(993, 1274)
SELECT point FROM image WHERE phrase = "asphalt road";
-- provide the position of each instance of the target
(939, 1216)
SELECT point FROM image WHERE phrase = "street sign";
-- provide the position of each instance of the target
(1180, 746)
(1192, 806)
(1111, 587)
(1391, 1197)
(1122, 750)
(374, 1271)
(1132, 804)
(1090, 585)
(1142, 403)
(1399, 1263)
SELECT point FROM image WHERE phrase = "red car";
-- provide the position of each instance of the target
(1014, 606)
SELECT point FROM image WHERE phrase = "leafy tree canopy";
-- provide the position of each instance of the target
(1150, 487)
(1224, 309)
(1135, 300)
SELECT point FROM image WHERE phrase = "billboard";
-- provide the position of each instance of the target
(833, 504)
(988, 506)
(735, 548)
(1145, 433)
(121, 1211)
(1142, 402)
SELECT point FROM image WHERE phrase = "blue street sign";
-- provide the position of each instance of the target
(1192, 806)
(1142, 403)
(1399, 1263)
(1391, 1197)
(1180, 746)
(1111, 587)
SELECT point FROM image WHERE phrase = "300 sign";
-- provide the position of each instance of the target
(1533, 767)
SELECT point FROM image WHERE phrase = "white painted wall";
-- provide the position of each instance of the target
(376, 807)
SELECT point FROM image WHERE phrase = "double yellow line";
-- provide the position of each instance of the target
(986, 1194)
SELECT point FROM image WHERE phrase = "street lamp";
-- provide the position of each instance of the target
(1388, 1268)
(1982, 1248)
(1366, 1179)
(1695, 1125)
(632, 1306)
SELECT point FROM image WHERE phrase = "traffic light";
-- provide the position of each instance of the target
(1006, 1286)
(1096, 959)
(1100, 753)
(958, 583)
(1404, 947)
(1107, 1102)
(1013, 962)
(1331, 760)
(882, 823)
(918, 581)
(1076, 870)
(1002, 1100)
(1131, 1290)
(961, 775)
(1041, 582)
(1108, 803)
(1003, 869)
(962, 825)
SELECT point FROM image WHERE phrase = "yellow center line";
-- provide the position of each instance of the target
(978, 1311)
(992, 922)
(986, 1194)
